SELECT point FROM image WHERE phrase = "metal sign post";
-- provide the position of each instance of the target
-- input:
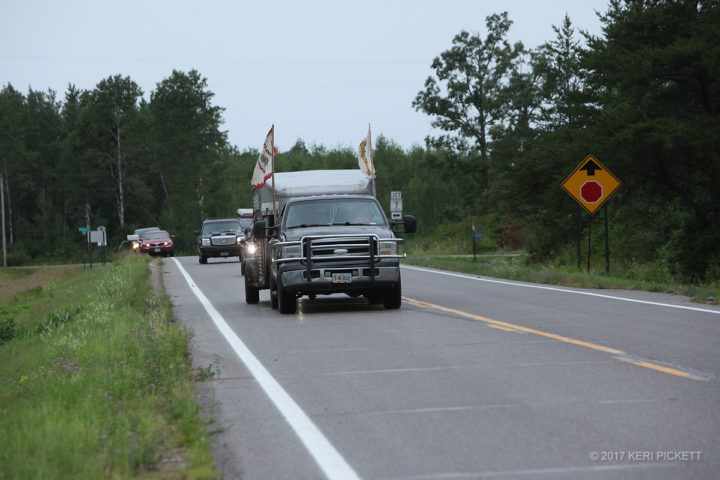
(2, 219)
(86, 232)
(475, 235)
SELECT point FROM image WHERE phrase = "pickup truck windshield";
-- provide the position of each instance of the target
(353, 211)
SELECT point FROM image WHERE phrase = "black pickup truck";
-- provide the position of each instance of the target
(329, 244)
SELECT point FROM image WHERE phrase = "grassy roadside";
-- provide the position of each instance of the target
(96, 381)
(515, 266)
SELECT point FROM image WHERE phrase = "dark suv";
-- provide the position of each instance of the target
(222, 237)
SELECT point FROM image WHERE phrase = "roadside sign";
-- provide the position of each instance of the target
(396, 205)
(591, 184)
(83, 230)
(396, 201)
(99, 237)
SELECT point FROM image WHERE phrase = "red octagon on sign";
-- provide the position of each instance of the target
(591, 191)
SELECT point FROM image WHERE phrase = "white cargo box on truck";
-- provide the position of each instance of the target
(309, 182)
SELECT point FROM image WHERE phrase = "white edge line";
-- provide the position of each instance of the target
(556, 289)
(327, 457)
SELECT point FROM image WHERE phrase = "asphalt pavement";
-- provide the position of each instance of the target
(472, 378)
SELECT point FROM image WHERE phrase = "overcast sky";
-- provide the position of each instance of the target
(321, 71)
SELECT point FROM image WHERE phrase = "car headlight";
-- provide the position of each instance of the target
(205, 242)
(291, 251)
(388, 248)
(251, 248)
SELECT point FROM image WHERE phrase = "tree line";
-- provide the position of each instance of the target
(643, 97)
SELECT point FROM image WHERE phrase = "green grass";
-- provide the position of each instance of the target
(96, 381)
(515, 265)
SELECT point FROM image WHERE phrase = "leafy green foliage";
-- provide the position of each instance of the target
(466, 97)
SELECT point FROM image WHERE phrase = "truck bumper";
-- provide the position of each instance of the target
(350, 279)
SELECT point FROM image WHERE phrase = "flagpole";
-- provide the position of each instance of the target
(372, 160)
(272, 163)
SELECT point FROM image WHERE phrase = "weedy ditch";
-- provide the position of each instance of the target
(96, 381)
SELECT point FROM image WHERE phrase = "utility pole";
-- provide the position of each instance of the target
(2, 217)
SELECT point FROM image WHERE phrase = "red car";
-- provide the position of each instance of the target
(157, 242)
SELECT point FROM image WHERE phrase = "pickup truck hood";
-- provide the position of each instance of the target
(294, 234)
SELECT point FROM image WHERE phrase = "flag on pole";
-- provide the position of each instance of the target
(365, 156)
(261, 173)
(264, 167)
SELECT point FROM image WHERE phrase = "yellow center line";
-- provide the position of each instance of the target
(512, 327)
(503, 328)
(661, 368)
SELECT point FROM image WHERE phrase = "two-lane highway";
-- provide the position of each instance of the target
(472, 378)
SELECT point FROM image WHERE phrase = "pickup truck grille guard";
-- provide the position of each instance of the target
(363, 249)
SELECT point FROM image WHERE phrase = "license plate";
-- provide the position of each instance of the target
(157, 250)
(342, 278)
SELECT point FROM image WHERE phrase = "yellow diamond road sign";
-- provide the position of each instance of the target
(591, 184)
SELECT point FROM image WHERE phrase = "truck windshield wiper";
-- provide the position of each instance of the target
(308, 225)
(353, 223)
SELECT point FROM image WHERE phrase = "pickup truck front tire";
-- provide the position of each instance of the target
(273, 294)
(287, 303)
(393, 296)
(252, 293)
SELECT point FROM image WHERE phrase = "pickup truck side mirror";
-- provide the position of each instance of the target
(259, 229)
(410, 224)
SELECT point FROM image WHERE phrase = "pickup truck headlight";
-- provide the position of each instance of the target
(205, 242)
(251, 248)
(388, 248)
(291, 251)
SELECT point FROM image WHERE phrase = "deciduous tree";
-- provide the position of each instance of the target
(465, 96)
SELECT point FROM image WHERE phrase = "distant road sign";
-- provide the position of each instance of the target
(83, 230)
(99, 236)
(396, 205)
(591, 184)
